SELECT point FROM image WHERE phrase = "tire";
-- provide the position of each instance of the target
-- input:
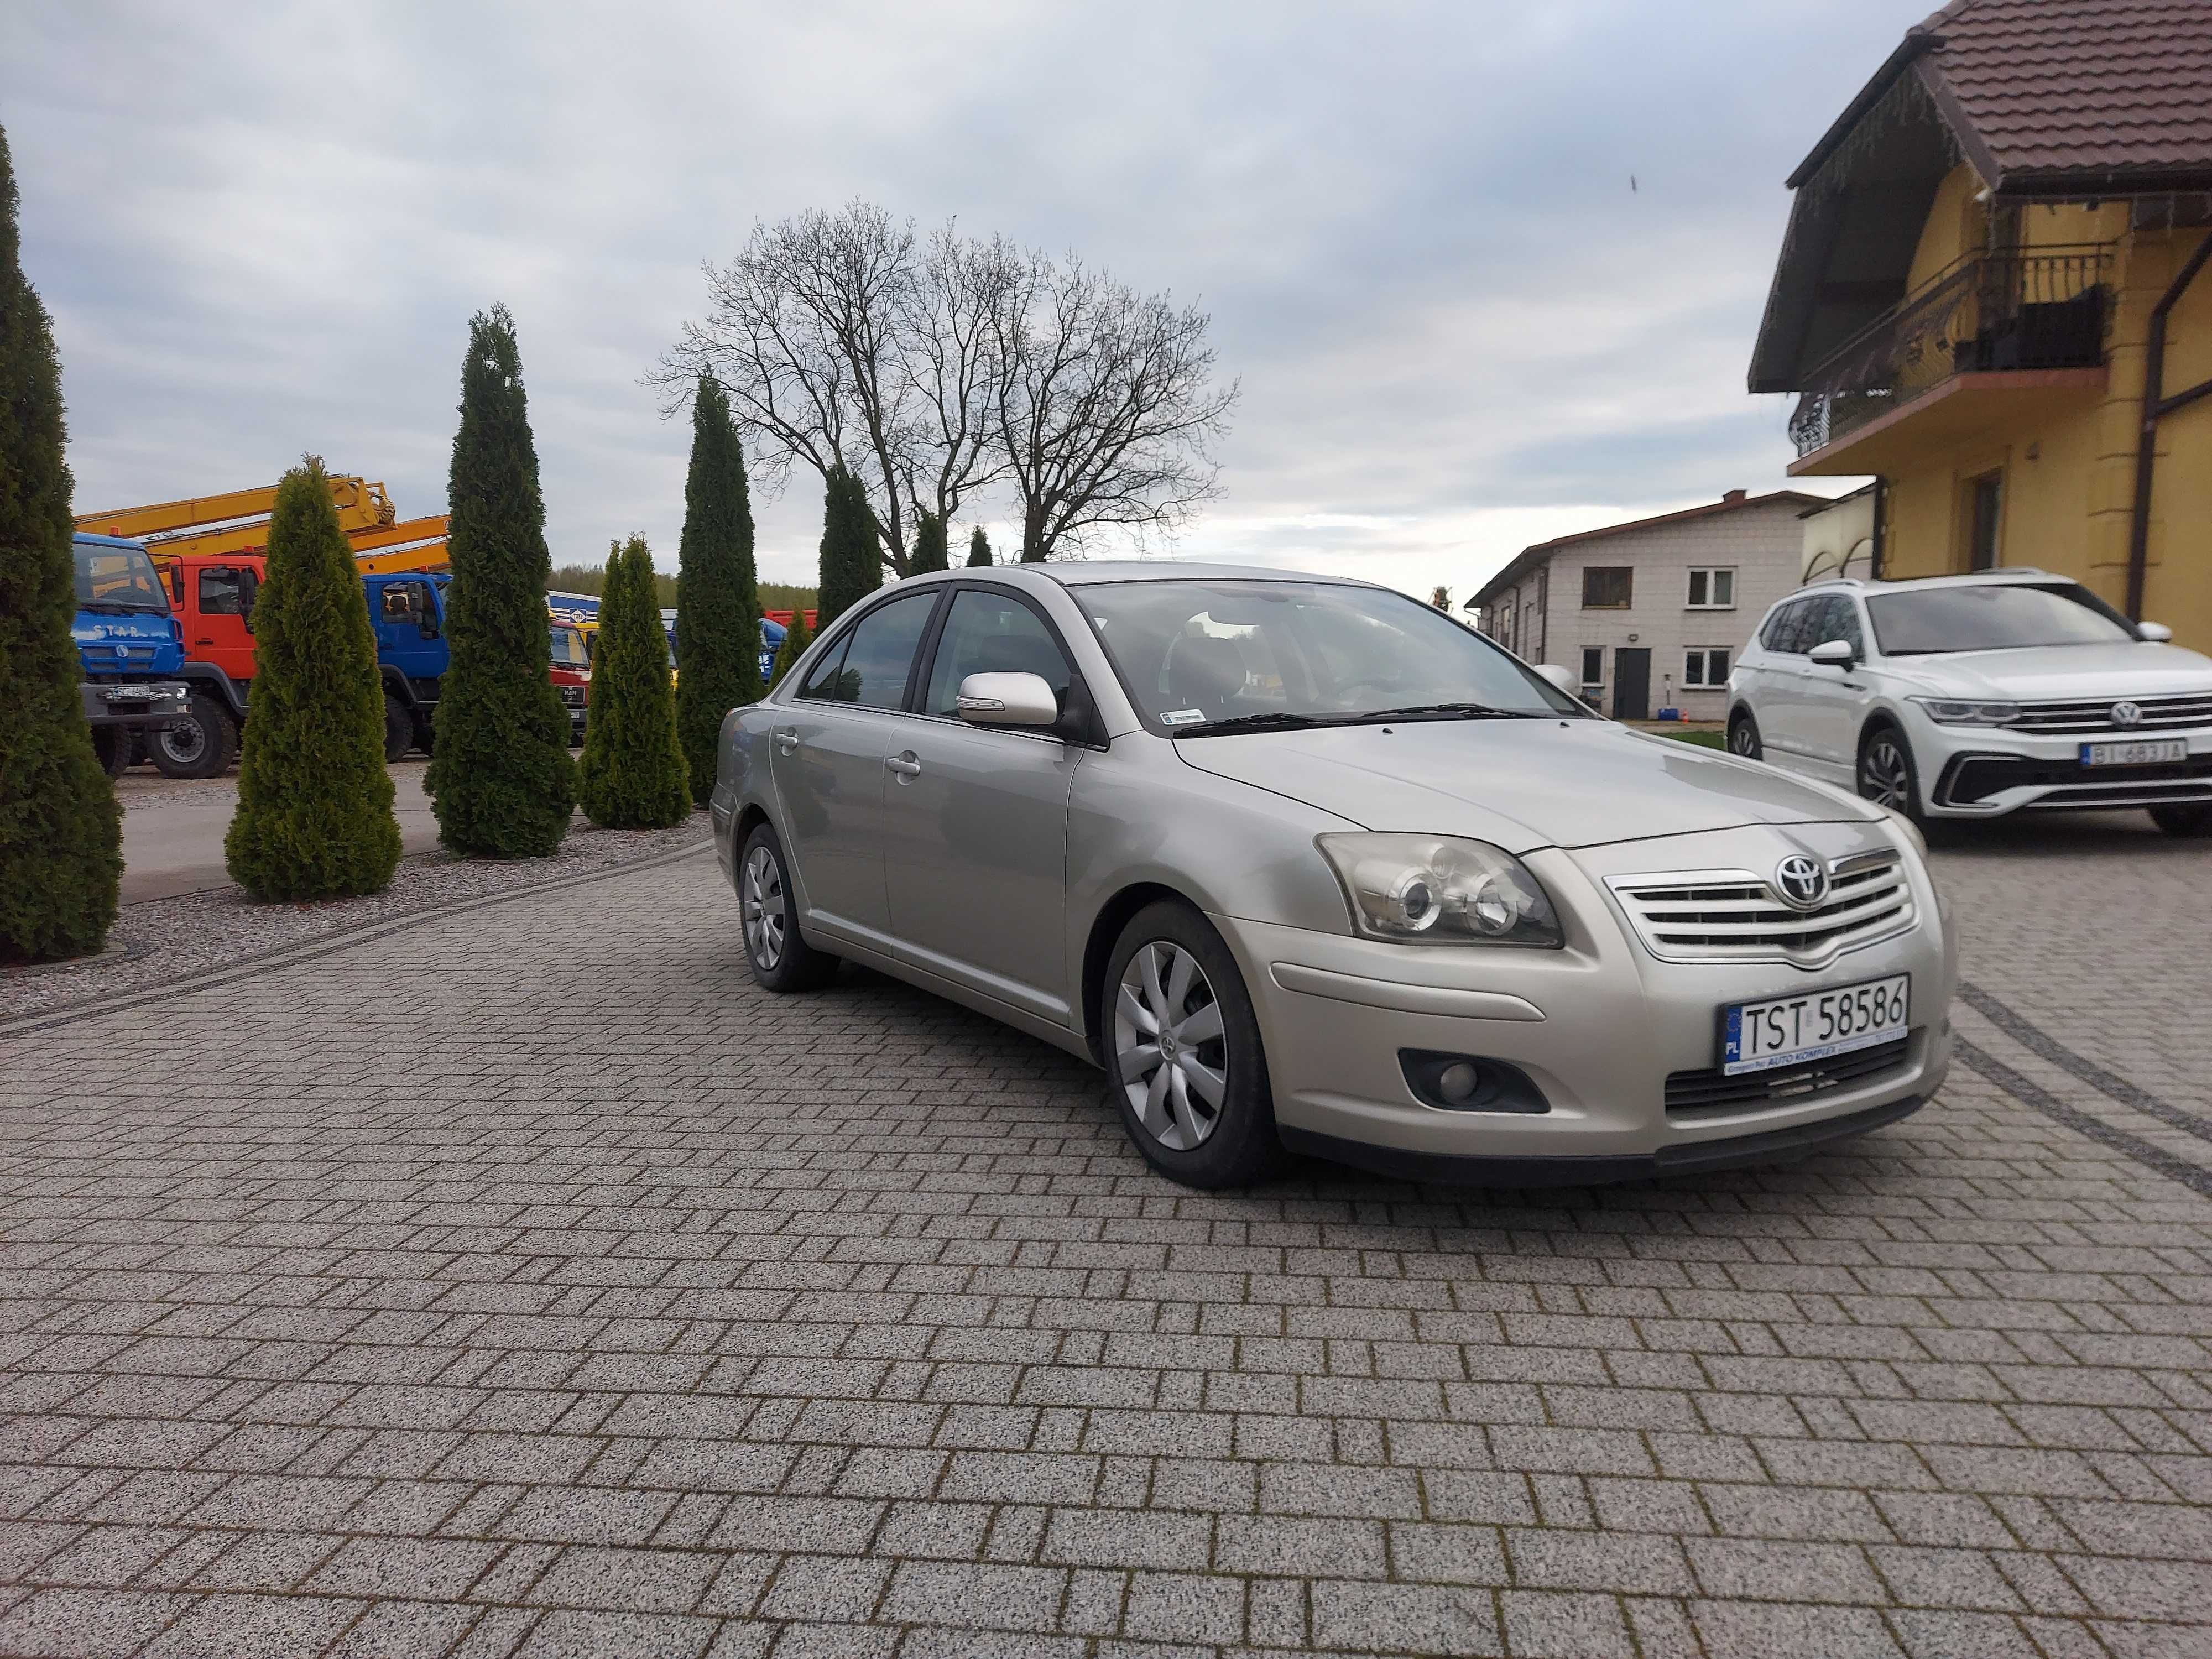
(199, 746)
(399, 727)
(2185, 822)
(115, 748)
(1202, 1114)
(1886, 774)
(1743, 736)
(780, 959)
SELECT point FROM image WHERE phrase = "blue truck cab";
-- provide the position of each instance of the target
(129, 647)
(408, 612)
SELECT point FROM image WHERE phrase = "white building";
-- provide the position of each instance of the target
(1651, 614)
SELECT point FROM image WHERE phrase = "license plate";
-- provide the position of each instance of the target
(2140, 751)
(1757, 1037)
(134, 694)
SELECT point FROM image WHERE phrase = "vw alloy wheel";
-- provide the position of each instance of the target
(1170, 1057)
(1886, 773)
(767, 909)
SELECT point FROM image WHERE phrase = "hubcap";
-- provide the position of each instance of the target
(1741, 739)
(1172, 1057)
(1884, 777)
(766, 914)
(183, 743)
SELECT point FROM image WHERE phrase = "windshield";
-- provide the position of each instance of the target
(1992, 618)
(1200, 654)
(568, 649)
(118, 578)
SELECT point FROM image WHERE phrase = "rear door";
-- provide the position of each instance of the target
(975, 818)
(827, 749)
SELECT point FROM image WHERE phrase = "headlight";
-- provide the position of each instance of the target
(1947, 711)
(1439, 889)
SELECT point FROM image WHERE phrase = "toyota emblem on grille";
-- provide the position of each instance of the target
(2126, 713)
(1802, 882)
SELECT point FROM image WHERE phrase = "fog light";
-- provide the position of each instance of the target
(1458, 1081)
(1469, 1083)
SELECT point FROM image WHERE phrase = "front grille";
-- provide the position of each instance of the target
(1693, 1096)
(1975, 778)
(2096, 715)
(573, 695)
(1733, 915)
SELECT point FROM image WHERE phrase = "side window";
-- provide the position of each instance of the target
(1825, 621)
(1843, 624)
(221, 594)
(1593, 666)
(989, 632)
(1780, 632)
(879, 656)
(249, 589)
(821, 683)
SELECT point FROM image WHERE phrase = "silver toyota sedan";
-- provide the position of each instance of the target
(1302, 863)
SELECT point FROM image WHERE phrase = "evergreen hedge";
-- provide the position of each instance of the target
(850, 566)
(633, 774)
(796, 639)
(61, 832)
(979, 547)
(929, 548)
(314, 800)
(718, 618)
(500, 777)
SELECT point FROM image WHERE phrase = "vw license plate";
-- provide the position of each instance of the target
(1757, 1037)
(2140, 751)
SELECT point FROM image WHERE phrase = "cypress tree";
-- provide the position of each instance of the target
(500, 777)
(633, 774)
(718, 615)
(314, 801)
(851, 569)
(929, 548)
(979, 547)
(61, 832)
(796, 639)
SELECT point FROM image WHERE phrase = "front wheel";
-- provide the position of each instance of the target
(1187, 1071)
(115, 747)
(1887, 776)
(780, 958)
(198, 746)
(399, 727)
(2186, 823)
(1743, 736)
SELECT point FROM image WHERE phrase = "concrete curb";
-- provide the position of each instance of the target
(286, 956)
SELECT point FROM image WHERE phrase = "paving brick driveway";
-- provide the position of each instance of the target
(524, 1281)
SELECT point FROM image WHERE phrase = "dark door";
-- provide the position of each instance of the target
(1988, 506)
(1632, 682)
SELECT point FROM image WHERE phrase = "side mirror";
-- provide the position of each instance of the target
(1833, 654)
(1563, 678)
(2155, 633)
(1007, 700)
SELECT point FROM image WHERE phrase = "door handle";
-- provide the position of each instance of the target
(907, 768)
(787, 742)
(204, 639)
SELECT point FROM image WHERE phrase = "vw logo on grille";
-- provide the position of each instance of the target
(1802, 882)
(2126, 713)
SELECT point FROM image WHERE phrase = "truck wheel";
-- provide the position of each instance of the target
(114, 748)
(197, 746)
(398, 728)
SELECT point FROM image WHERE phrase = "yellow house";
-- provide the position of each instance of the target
(1989, 299)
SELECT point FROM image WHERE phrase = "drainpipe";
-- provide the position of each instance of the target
(1881, 538)
(2153, 406)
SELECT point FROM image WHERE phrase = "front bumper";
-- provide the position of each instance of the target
(1601, 1027)
(153, 705)
(1986, 772)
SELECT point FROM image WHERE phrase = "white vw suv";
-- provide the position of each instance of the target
(1973, 696)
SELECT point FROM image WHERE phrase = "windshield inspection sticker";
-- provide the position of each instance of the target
(1183, 716)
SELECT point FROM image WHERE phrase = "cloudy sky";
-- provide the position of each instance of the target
(261, 229)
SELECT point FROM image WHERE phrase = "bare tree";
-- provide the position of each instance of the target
(1106, 408)
(842, 342)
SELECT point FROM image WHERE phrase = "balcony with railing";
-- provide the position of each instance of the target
(1993, 323)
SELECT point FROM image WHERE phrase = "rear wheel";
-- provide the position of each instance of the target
(198, 746)
(399, 727)
(780, 958)
(115, 747)
(1189, 1074)
(1743, 736)
(2189, 822)
(1886, 774)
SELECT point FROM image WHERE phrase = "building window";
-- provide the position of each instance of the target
(1985, 509)
(1705, 669)
(1593, 667)
(1713, 589)
(1607, 586)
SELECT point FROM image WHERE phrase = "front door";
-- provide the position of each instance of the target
(975, 819)
(410, 628)
(219, 619)
(1632, 682)
(828, 751)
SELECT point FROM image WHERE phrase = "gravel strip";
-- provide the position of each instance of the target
(164, 939)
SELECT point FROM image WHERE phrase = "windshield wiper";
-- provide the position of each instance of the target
(1465, 711)
(1274, 720)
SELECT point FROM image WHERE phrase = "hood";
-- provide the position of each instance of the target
(1519, 784)
(2059, 672)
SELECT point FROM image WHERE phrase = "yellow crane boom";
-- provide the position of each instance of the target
(207, 524)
